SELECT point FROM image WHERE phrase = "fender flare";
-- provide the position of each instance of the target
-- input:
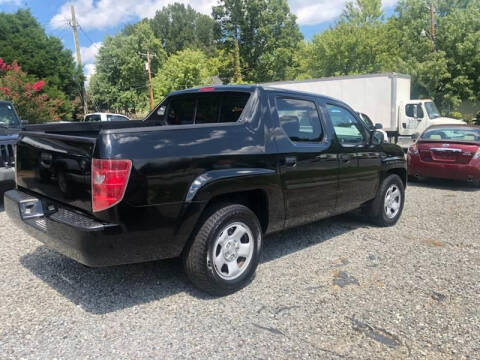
(213, 176)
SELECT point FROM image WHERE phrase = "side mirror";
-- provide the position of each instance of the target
(377, 138)
(378, 126)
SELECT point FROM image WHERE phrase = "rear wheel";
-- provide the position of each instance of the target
(387, 207)
(225, 251)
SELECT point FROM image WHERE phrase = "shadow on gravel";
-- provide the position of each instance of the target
(104, 290)
(444, 184)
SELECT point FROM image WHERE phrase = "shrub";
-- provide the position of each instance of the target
(27, 94)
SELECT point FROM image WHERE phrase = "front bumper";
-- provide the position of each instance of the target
(78, 236)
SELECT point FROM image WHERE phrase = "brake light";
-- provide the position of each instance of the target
(413, 149)
(477, 154)
(109, 181)
(207, 89)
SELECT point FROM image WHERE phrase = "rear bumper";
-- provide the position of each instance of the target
(470, 171)
(7, 175)
(82, 238)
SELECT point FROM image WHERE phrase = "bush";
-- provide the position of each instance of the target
(27, 94)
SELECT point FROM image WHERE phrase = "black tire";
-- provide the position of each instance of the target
(198, 263)
(375, 210)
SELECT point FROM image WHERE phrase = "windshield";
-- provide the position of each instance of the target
(366, 120)
(455, 134)
(432, 110)
(8, 117)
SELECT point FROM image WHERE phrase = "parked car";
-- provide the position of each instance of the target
(372, 126)
(98, 117)
(449, 152)
(205, 176)
(9, 128)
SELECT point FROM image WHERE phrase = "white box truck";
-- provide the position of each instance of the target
(384, 98)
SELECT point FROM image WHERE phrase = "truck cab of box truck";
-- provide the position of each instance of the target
(417, 115)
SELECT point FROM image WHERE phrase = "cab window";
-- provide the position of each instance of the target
(348, 129)
(299, 119)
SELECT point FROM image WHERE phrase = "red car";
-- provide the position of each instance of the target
(448, 152)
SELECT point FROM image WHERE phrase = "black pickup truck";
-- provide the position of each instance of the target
(205, 176)
(9, 129)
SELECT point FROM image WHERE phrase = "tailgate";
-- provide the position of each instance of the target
(56, 166)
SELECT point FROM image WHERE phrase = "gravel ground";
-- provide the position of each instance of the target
(334, 289)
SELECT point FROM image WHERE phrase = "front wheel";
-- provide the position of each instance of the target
(387, 207)
(225, 251)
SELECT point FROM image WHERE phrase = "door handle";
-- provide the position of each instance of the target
(346, 157)
(291, 161)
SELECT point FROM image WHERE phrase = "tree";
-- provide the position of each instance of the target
(179, 27)
(350, 49)
(28, 94)
(445, 67)
(22, 39)
(121, 81)
(185, 69)
(266, 33)
(362, 12)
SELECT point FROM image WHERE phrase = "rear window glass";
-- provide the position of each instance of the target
(181, 111)
(116, 118)
(93, 118)
(201, 108)
(208, 107)
(466, 134)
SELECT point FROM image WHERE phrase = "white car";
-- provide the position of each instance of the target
(97, 117)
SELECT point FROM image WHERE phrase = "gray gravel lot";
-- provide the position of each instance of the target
(339, 288)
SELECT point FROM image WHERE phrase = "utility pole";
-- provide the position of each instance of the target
(149, 70)
(74, 26)
(432, 22)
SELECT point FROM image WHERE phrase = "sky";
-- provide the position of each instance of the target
(98, 18)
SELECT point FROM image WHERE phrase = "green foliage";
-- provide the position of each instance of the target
(185, 69)
(267, 36)
(362, 12)
(121, 81)
(22, 39)
(179, 27)
(445, 68)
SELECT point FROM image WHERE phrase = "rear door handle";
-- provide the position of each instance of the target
(291, 161)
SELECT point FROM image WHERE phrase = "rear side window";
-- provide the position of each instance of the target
(347, 128)
(299, 119)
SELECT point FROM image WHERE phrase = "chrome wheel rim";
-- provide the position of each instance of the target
(232, 251)
(393, 201)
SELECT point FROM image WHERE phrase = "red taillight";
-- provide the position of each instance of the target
(477, 154)
(109, 181)
(207, 89)
(413, 149)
